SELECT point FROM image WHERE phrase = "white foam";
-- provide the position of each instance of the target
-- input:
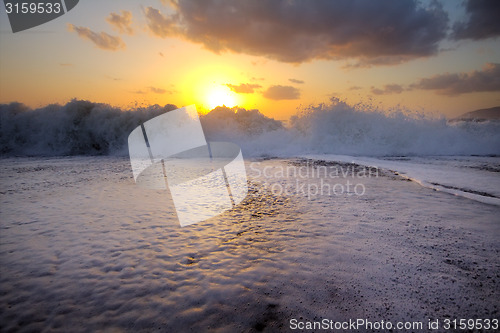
(342, 129)
(86, 128)
(463, 176)
(82, 248)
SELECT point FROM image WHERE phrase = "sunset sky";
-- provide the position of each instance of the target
(275, 56)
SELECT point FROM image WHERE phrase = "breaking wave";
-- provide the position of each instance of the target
(86, 128)
(77, 128)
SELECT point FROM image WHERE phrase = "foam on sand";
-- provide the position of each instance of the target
(84, 249)
(471, 177)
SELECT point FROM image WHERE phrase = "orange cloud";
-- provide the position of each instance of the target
(243, 88)
(388, 89)
(281, 92)
(122, 23)
(101, 40)
(160, 25)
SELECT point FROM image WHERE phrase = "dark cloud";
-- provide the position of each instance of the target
(487, 79)
(122, 23)
(281, 92)
(388, 89)
(483, 20)
(375, 32)
(243, 88)
(296, 81)
(355, 88)
(101, 40)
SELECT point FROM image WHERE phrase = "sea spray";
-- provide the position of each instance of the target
(87, 128)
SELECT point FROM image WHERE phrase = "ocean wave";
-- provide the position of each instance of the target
(338, 128)
(87, 128)
(76, 128)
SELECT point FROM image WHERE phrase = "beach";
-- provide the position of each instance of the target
(83, 248)
(249, 166)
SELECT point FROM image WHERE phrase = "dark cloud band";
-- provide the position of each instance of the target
(486, 80)
(374, 32)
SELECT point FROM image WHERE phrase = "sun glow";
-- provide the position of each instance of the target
(219, 96)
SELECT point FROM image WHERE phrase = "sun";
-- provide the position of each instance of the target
(219, 96)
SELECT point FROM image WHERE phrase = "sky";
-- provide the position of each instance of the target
(277, 56)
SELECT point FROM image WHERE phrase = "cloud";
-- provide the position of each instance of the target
(113, 78)
(482, 21)
(388, 89)
(122, 23)
(157, 90)
(355, 88)
(159, 25)
(294, 31)
(244, 88)
(485, 80)
(101, 40)
(153, 90)
(296, 81)
(281, 92)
